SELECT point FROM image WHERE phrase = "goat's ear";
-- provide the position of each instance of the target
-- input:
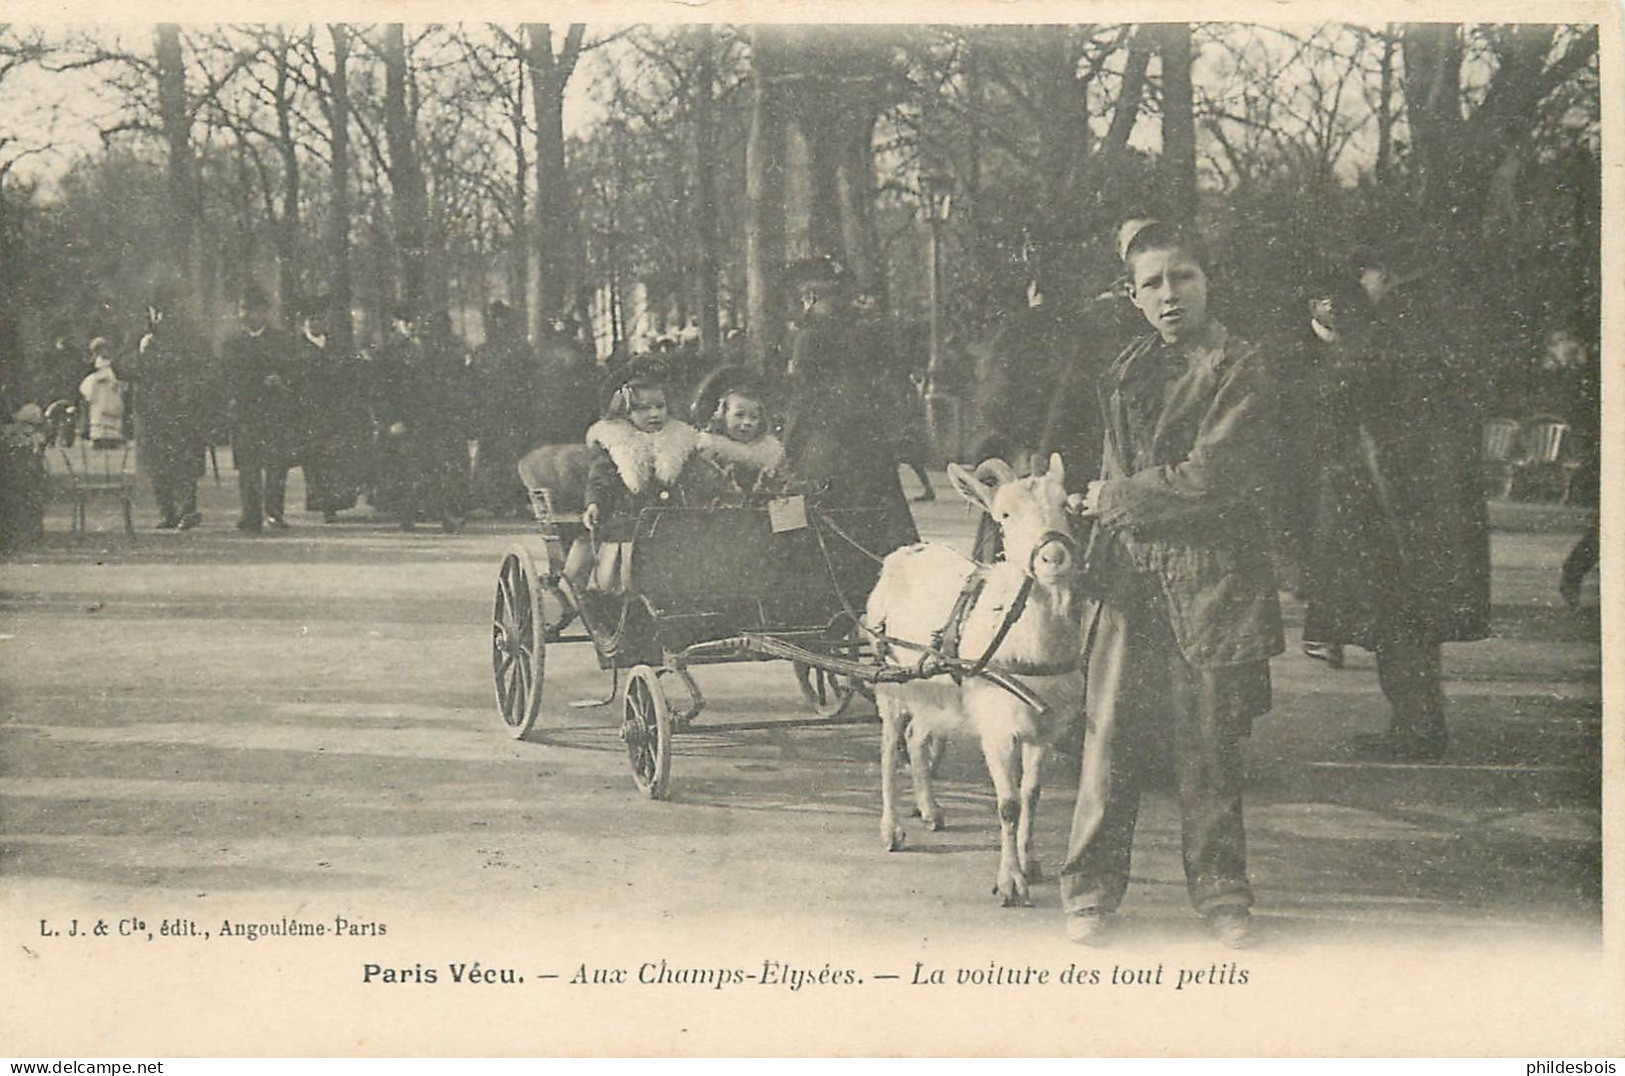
(1056, 472)
(995, 471)
(971, 487)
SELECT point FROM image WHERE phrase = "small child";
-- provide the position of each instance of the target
(639, 453)
(737, 443)
(103, 392)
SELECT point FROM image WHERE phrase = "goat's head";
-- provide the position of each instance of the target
(1030, 512)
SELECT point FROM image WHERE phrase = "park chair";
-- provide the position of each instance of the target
(93, 472)
(1500, 453)
(1544, 460)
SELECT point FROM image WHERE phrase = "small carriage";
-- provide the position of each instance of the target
(702, 586)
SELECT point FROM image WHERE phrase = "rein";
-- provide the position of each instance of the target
(942, 654)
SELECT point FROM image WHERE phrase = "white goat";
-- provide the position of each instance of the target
(916, 597)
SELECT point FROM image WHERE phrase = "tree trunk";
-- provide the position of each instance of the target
(1385, 109)
(1178, 124)
(287, 224)
(859, 232)
(182, 189)
(338, 226)
(764, 195)
(410, 199)
(705, 179)
(555, 266)
(1126, 112)
(518, 249)
(821, 130)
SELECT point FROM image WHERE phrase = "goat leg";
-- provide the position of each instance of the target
(1003, 756)
(891, 834)
(1032, 761)
(921, 752)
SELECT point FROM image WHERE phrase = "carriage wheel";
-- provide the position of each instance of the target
(518, 643)
(827, 693)
(646, 728)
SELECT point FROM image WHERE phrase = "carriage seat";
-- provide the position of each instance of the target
(555, 479)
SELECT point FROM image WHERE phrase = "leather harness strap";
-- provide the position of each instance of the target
(945, 640)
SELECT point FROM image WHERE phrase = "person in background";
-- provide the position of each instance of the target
(1309, 391)
(103, 394)
(261, 371)
(426, 416)
(1400, 550)
(336, 425)
(1184, 615)
(506, 424)
(1567, 388)
(839, 406)
(173, 403)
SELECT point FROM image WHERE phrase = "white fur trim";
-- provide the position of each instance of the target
(642, 458)
(766, 453)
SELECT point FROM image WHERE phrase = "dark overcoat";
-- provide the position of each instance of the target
(838, 435)
(262, 372)
(177, 398)
(1400, 547)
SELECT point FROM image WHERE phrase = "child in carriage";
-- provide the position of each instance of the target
(736, 442)
(640, 458)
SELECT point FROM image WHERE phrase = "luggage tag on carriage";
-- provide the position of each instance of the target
(787, 514)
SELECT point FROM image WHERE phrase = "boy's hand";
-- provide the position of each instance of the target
(589, 517)
(1085, 503)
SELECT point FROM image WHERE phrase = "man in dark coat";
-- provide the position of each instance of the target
(174, 401)
(569, 370)
(1400, 560)
(1037, 384)
(262, 373)
(506, 372)
(425, 414)
(1307, 428)
(838, 436)
(336, 424)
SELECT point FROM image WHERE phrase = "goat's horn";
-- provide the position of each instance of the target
(995, 470)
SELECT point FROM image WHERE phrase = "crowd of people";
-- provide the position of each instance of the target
(394, 423)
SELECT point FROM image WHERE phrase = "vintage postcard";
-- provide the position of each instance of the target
(1021, 529)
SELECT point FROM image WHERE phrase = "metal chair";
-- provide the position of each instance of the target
(1500, 452)
(1545, 441)
(105, 471)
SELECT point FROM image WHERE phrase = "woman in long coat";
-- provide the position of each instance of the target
(839, 433)
(1400, 555)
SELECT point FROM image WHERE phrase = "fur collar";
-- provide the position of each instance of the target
(766, 453)
(640, 458)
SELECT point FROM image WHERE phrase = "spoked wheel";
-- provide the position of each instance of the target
(518, 642)
(828, 693)
(646, 728)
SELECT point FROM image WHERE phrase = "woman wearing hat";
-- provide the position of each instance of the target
(838, 436)
(1400, 557)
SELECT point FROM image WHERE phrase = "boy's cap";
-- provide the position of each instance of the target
(99, 345)
(1130, 231)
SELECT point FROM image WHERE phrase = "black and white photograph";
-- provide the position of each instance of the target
(681, 530)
